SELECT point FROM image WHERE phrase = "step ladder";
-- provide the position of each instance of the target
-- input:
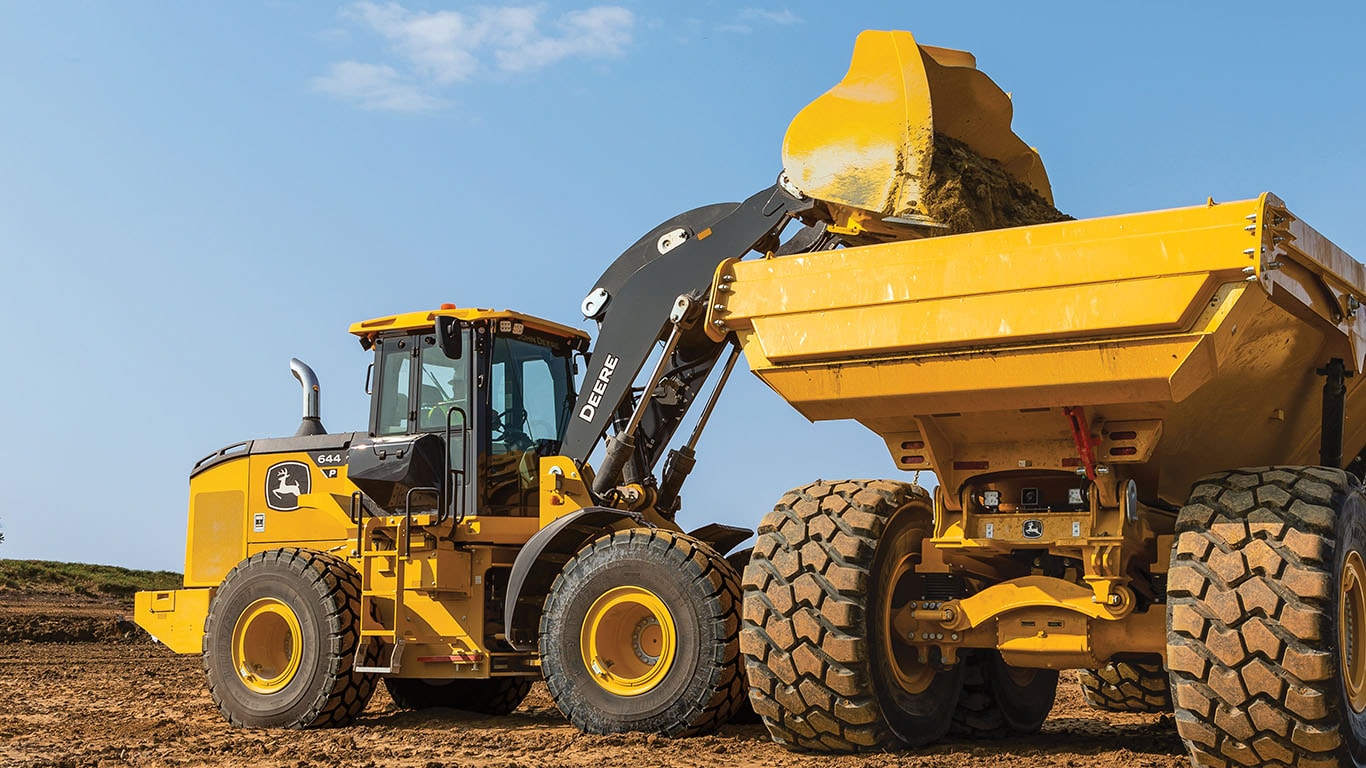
(383, 571)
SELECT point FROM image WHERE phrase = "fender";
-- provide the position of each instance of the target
(540, 561)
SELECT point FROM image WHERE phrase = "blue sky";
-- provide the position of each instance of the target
(192, 193)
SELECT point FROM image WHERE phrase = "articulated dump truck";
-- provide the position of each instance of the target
(1146, 430)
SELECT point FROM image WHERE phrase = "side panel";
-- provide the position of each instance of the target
(216, 539)
(294, 500)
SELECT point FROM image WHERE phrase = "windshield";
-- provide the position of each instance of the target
(530, 390)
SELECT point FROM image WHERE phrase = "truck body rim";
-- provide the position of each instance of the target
(266, 645)
(912, 674)
(1352, 629)
(628, 640)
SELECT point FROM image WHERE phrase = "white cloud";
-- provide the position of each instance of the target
(782, 18)
(747, 18)
(436, 49)
(373, 86)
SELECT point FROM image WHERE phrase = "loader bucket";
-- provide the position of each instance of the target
(868, 143)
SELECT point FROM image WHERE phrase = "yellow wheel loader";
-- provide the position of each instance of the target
(1146, 430)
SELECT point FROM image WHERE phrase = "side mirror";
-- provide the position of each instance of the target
(448, 336)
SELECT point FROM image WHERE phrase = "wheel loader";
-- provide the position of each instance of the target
(1146, 431)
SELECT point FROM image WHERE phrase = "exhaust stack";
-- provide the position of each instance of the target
(312, 424)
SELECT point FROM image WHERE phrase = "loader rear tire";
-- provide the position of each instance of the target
(1126, 686)
(832, 561)
(999, 700)
(280, 640)
(639, 633)
(1267, 619)
(491, 696)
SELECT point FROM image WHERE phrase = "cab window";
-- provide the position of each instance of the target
(443, 391)
(394, 364)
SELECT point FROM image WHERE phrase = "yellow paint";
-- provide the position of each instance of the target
(628, 640)
(970, 344)
(217, 533)
(174, 617)
(267, 645)
(868, 142)
(563, 489)
(418, 321)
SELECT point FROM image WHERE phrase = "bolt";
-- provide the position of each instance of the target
(719, 323)
(953, 636)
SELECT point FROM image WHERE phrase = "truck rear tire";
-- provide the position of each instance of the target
(1126, 686)
(999, 700)
(280, 640)
(1267, 619)
(832, 562)
(492, 696)
(639, 634)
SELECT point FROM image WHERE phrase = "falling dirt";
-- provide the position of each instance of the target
(970, 193)
(124, 701)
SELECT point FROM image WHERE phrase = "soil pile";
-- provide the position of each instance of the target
(52, 617)
(971, 193)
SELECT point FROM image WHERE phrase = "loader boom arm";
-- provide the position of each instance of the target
(633, 301)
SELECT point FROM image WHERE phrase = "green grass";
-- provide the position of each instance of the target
(81, 579)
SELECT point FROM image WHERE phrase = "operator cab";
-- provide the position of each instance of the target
(495, 387)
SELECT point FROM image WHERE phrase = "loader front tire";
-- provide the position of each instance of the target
(834, 561)
(999, 700)
(639, 633)
(491, 696)
(280, 640)
(1126, 686)
(1267, 619)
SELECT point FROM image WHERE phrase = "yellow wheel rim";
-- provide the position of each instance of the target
(912, 674)
(266, 645)
(1352, 629)
(628, 640)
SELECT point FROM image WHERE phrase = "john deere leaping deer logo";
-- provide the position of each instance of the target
(285, 483)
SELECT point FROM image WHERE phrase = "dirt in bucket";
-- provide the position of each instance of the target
(971, 193)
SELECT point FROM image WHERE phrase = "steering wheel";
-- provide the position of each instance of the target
(506, 427)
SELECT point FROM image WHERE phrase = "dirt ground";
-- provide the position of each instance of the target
(116, 699)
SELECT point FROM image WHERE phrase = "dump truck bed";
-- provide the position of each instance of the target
(1191, 340)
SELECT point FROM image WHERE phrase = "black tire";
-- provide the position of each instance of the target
(491, 696)
(744, 713)
(823, 668)
(1255, 647)
(1126, 686)
(702, 685)
(999, 700)
(311, 683)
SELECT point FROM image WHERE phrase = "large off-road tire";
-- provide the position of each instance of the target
(999, 700)
(280, 641)
(1126, 686)
(833, 562)
(1267, 619)
(744, 713)
(491, 696)
(639, 633)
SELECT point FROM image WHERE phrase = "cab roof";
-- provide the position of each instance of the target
(417, 321)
